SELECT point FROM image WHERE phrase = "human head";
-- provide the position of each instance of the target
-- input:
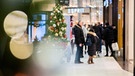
(84, 25)
(107, 24)
(91, 30)
(79, 23)
(98, 23)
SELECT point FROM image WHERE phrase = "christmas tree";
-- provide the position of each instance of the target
(57, 26)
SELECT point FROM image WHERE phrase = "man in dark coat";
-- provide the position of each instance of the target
(108, 37)
(98, 30)
(79, 41)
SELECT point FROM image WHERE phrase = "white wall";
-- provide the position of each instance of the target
(129, 24)
(68, 28)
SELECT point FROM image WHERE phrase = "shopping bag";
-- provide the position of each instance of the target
(115, 46)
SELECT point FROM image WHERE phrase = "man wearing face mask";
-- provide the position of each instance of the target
(79, 41)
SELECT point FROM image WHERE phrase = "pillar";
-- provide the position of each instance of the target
(120, 24)
(79, 5)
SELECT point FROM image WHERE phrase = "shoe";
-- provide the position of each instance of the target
(92, 62)
(88, 62)
(106, 55)
(100, 51)
(111, 55)
(82, 56)
(98, 55)
(80, 62)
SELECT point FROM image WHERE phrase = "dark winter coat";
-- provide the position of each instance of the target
(98, 31)
(92, 49)
(108, 34)
(79, 37)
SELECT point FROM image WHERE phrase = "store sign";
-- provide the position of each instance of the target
(76, 10)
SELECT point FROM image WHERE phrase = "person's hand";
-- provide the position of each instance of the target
(80, 45)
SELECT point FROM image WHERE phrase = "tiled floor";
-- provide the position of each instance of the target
(103, 66)
(126, 65)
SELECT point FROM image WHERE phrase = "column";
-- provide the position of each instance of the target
(79, 5)
(120, 25)
(129, 28)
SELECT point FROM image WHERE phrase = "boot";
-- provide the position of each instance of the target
(92, 60)
(89, 60)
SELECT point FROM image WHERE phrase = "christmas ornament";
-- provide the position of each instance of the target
(55, 17)
(58, 23)
(56, 34)
(52, 13)
(64, 36)
(62, 20)
(56, 30)
(60, 33)
(54, 25)
(50, 17)
(63, 28)
(51, 28)
(59, 19)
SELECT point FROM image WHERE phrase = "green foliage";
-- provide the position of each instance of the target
(57, 25)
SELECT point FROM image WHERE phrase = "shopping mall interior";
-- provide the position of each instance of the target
(35, 37)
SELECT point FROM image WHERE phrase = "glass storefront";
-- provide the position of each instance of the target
(90, 11)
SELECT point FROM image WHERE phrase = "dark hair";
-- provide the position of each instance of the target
(107, 23)
(113, 25)
(91, 30)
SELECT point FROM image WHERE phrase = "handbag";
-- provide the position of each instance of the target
(115, 46)
(88, 41)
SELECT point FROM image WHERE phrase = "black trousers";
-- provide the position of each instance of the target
(108, 45)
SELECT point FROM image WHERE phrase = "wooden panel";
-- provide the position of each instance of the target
(120, 24)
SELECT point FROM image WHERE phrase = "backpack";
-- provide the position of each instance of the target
(88, 41)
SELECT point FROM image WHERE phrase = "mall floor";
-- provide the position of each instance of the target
(103, 66)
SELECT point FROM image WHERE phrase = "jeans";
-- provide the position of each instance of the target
(78, 54)
(100, 48)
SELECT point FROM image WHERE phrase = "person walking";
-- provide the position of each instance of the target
(108, 37)
(98, 30)
(79, 41)
(91, 48)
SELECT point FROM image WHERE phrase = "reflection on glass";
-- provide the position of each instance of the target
(37, 27)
